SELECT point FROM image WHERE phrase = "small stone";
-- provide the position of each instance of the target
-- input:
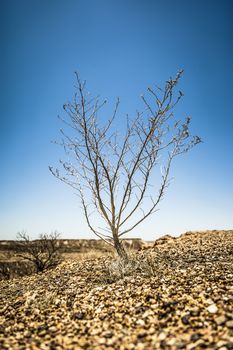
(185, 320)
(195, 311)
(101, 341)
(42, 332)
(79, 315)
(191, 346)
(141, 334)
(108, 334)
(52, 329)
(82, 342)
(221, 344)
(27, 334)
(18, 336)
(70, 335)
(172, 341)
(212, 309)
(229, 324)
(21, 326)
(162, 336)
(102, 317)
(140, 322)
(220, 320)
(44, 347)
(195, 336)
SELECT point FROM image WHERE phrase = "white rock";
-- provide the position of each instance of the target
(212, 309)
(140, 322)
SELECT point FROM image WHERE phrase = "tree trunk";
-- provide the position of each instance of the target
(121, 251)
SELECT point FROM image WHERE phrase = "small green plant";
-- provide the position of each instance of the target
(43, 252)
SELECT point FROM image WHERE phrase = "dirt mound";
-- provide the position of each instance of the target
(184, 302)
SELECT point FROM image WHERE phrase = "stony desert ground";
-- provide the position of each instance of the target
(176, 293)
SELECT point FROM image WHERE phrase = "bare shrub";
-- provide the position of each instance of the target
(43, 252)
(143, 264)
(119, 269)
(113, 172)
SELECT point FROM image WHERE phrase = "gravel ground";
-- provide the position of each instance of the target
(178, 294)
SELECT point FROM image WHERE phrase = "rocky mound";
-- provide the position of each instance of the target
(176, 295)
(191, 246)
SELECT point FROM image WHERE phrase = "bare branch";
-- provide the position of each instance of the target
(112, 172)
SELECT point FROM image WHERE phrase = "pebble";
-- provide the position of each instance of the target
(194, 337)
(79, 315)
(212, 309)
(229, 324)
(220, 320)
(141, 322)
(185, 320)
(52, 329)
(27, 334)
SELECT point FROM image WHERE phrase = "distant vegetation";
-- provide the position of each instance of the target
(43, 253)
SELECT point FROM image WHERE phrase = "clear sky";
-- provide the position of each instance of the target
(120, 47)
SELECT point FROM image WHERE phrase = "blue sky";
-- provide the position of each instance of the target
(120, 48)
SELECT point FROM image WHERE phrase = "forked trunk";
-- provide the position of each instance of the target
(118, 245)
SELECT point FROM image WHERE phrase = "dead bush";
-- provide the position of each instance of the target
(144, 264)
(43, 252)
(119, 269)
